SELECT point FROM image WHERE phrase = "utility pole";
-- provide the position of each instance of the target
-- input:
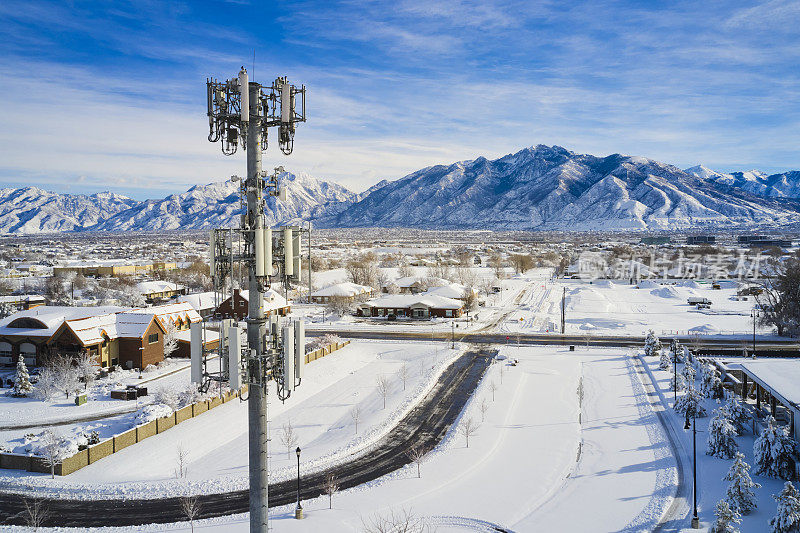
(563, 308)
(240, 112)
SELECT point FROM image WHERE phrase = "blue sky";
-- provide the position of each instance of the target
(111, 95)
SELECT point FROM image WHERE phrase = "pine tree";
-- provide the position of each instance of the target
(727, 519)
(674, 350)
(740, 493)
(691, 403)
(711, 383)
(773, 451)
(22, 383)
(652, 346)
(689, 372)
(787, 516)
(665, 363)
(737, 413)
(721, 433)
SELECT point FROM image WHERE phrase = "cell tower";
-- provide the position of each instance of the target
(240, 113)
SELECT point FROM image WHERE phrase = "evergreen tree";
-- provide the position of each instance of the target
(665, 363)
(674, 351)
(691, 403)
(711, 383)
(652, 345)
(22, 383)
(737, 413)
(727, 519)
(773, 451)
(740, 493)
(689, 372)
(681, 382)
(721, 433)
(787, 516)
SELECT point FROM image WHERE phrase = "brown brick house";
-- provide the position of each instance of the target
(236, 305)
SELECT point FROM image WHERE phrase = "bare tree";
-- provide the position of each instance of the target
(170, 339)
(779, 298)
(383, 388)
(395, 522)
(468, 428)
(63, 372)
(288, 437)
(417, 455)
(35, 514)
(181, 459)
(355, 414)
(493, 388)
(191, 509)
(86, 367)
(339, 305)
(404, 374)
(330, 487)
(483, 408)
(53, 450)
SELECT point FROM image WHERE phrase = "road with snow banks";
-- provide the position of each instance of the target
(425, 425)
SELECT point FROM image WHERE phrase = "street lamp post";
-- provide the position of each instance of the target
(695, 518)
(298, 512)
(754, 314)
(675, 376)
(453, 336)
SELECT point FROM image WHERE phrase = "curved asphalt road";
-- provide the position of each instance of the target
(425, 425)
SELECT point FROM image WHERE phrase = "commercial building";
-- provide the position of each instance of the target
(412, 306)
(347, 291)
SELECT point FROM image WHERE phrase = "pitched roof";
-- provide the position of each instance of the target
(201, 300)
(401, 301)
(343, 289)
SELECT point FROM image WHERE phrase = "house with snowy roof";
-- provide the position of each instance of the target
(411, 306)
(346, 290)
(236, 305)
(159, 291)
(132, 338)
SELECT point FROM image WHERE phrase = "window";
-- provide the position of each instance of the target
(242, 303)
(5, 349)
(153, 338)
(448, 312)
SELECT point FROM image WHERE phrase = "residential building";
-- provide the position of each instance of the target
(346, 290)
(159, 291)
(237, 304)
(412, 306)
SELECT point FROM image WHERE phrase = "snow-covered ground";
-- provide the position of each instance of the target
(522, 469)
(531, 303)
(216, 442)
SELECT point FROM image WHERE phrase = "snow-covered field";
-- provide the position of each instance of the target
(531, 303)
(522, 469)
(216, 442)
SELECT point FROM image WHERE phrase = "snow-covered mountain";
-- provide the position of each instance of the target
(217, 205)
(32, 210)
(783, 185)
(542, 187)
(545, 187)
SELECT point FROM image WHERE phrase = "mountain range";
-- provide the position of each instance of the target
(537, 188)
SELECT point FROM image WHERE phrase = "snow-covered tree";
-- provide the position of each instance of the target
(678, 382)
(22, 381)
(170, 339)
(711, 383)
(53, 450)
(727, 519)
(46, 386)
(737, 413)
(86, 366)
(773, 451)
(689, 372)
(664, 363)
(691, 403)
(721, 433)
(740, 493)
(652, 345)
(787, 516)
(675, 350)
